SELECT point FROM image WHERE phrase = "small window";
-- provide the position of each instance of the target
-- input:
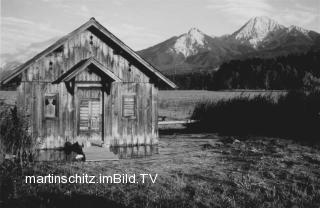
(129, 106)
(51, 106)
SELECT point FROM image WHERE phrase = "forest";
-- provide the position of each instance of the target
(291, 72)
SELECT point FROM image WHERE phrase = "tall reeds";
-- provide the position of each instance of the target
(294, 115)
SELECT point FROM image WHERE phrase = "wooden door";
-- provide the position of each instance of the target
(90, 113)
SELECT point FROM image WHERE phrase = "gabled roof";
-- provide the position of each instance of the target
(95, 24)
(81, 66)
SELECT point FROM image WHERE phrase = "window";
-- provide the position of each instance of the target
(51, 106)
(129, 106)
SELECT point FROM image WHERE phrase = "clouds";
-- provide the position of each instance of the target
(300, 14)
(118, 2)
(240, 11)
(288, 12)
(135, 36)
(18, 33)
(300, 17)
(143, 23)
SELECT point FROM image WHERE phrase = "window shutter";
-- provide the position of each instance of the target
(84, 115)
(129, 106)
(95, 106)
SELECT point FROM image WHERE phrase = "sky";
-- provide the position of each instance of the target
(143, 23)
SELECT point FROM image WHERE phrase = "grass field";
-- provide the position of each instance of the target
(179, 104)
(194, 170)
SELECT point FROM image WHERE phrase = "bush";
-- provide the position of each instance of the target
(294, 115)
(14, 136)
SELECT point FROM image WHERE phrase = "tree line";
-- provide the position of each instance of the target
(291, 72)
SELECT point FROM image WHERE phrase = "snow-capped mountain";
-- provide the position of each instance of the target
(190, 43)
(263, 33)
(259, 37)
(257, 30)
(180, 53)
(298, 30)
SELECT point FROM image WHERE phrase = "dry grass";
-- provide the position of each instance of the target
(179, 104)
(194, 171)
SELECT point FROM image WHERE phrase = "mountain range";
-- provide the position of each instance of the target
(260, 37)
(196, 51)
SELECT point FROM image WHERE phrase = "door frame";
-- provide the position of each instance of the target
(77, 105)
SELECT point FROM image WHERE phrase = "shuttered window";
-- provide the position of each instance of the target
(84, 115)
(51, 106)
(129, 106)
(90, 114)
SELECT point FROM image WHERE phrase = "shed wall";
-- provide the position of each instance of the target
(36, 83)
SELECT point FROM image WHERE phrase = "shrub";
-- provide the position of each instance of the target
(14, 136)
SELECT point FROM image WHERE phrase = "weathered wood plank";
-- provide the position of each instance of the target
(119, 128)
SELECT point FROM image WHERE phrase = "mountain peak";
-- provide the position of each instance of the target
(190, 43)
(257, 29)
(194, 30)
(298, 29)
(261, 18)
(196, 35)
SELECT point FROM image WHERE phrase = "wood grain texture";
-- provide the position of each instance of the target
(128, 107)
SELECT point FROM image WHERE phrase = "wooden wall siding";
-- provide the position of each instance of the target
(118, 130)
(88, 76)
(154, 119)
(49, 68)
(52, 132)
(141, 128)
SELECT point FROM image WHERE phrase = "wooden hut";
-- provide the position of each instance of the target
(89, 87)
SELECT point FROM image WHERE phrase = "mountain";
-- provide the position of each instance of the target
(11, 60)
(261, 37)
(265, 34)
(191, 43)
(172, 53)
(191, 51)
(257, 31)
(195, 51)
